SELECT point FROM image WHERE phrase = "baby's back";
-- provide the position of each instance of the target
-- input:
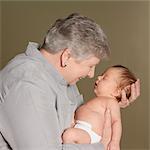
(93, 112)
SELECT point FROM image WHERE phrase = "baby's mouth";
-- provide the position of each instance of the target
(95, 85)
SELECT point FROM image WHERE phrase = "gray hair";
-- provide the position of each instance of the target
(81, 35)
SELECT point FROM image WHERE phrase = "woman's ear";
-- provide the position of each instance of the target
(65, 57)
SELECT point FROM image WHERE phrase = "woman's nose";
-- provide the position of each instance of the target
(91, 73)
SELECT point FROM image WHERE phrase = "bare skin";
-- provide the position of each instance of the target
(94, 110)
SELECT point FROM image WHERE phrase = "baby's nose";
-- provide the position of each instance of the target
(99, 77)
(96, 82)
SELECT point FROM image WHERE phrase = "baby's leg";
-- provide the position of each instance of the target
(75, 135)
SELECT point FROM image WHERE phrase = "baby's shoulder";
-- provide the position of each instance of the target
(106, 99)
(113, 103)
(96, 102)
(110, 101)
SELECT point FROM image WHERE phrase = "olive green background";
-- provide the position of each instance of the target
(126, 24)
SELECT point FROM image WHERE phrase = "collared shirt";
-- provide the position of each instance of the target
(36, 97)
(36, 103)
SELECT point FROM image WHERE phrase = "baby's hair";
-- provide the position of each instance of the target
(126, 79)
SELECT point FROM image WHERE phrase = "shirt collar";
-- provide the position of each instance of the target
(33, 51)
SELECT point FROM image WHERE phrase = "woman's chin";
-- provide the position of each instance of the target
(74, 82)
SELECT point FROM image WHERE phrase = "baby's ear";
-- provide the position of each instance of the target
(117, 92)
(127, 87)
(128, 91)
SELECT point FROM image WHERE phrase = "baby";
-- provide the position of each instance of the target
(89, 117)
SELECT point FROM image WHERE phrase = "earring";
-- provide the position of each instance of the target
(64, 65)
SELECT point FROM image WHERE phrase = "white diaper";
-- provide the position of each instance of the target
(95, 138)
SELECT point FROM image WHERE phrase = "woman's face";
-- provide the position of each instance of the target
(81, 69)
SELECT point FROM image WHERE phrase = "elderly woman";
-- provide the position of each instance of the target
(38, 90)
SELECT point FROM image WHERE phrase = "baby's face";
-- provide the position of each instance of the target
(107, 84)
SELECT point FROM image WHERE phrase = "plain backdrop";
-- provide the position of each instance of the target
(126, 24)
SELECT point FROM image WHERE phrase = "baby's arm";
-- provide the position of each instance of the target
(116, 126)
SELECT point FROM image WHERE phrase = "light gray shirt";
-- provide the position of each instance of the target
(36, 105)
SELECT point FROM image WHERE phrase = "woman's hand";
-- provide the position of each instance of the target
(113, 146)
(107, 130)
(135, 92)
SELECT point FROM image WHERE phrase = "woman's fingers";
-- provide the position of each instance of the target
(107, 130)
(135, 93)
(124, 101)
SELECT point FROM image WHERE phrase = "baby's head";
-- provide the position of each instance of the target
(113, 81)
